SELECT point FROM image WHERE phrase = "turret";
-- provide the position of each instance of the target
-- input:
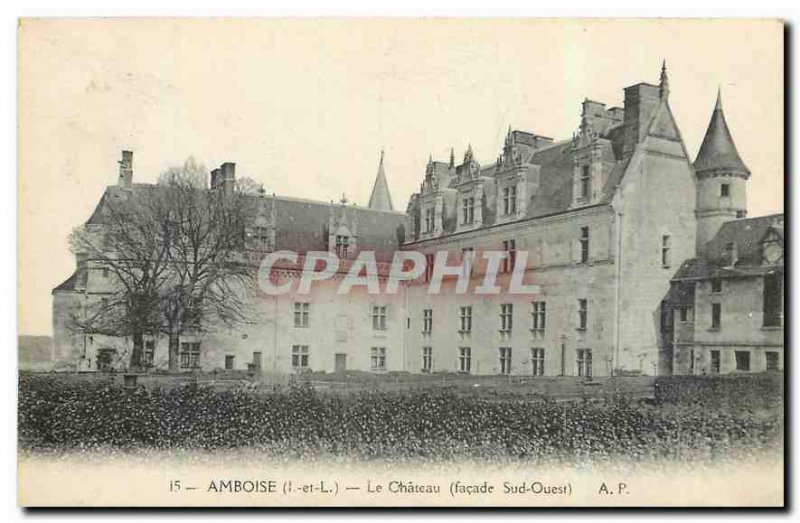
(721, 179)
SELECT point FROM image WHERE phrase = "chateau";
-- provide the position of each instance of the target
(644, 262)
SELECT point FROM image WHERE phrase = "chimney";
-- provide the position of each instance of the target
(126, 169)
(214, 179)
(227, 176)
(641, 102)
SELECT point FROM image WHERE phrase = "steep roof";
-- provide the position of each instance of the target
(68, 284)
(381, 199)
(718, 152)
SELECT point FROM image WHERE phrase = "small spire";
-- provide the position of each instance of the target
(718, 105)
(452, 158)
(380, 198)
(663, 85)
(343, 201)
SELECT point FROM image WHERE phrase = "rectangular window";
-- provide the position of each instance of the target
(509, 200)
(716, 286)
(467, 260)
(773, 300)
(342, 246)
(510, 248)
(379, 318)
(429, 219)
(301, 314)
(505, 360)
(427, 359)
(716, 315)
(465, 319)
(378, 358)
(537, 362)
(665, 251)
(583, 314)
(691, 361)
(467, 210)
(730, 253)
(256, 365)
(585, 363)
(724, 190)
(715, 362)
(464, 359)
(299, 357)
(772, 361)
(538, 317)
(429, 260)
(586, 179)
(743, 360)
(506, 317)
(105, 272)
(685, 314)
(260, 238)
(584, 244)
(427, 321)
(229, 362)
(190, 354)
(149, 353)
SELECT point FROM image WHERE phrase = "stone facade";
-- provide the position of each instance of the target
(599, 222)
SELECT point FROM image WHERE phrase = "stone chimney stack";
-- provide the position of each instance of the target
(226, 179)
(641, 102)
(126, 169)
(214, 179)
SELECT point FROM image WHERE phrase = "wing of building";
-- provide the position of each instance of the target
(606, 224)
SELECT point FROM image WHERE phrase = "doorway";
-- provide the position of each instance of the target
(341, 362)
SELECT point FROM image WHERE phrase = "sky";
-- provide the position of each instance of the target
(305, 106)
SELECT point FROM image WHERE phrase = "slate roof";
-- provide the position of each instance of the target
(718, 152)
(68, 284)
(380, 198)
(747, 235)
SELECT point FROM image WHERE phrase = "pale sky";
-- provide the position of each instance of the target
(305, 106)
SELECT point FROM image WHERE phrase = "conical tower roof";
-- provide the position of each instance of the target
(718, 152)
(381, 199)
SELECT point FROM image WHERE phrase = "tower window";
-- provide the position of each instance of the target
(665, 251)
(724, 190)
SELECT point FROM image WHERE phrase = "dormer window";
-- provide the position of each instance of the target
(510, 200)
(586, 179)
(467, 210)
(342, 244)
(429, 220)
(260, 238)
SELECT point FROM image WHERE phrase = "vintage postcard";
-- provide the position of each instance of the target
(401, 262)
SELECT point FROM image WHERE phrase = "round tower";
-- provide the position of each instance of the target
(721, 179)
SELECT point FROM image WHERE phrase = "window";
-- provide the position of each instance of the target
(773, 300)
(583, 313)
(260, 238)
(105, 272)
(509, 200)
(585, 363)
(716, 315)
(467, 259)
(342, 244)
(691, 361)
(379, 318)
(429, 259)
(724, 190)
(510, 248)
(467, 210)
(256, 365)
(537, 362)
(465, 319)
(464, 359)
(427, 321)
(427, 359)
(716, 286)
(730, 252)
(378, 358)
(715, 366)
(190, 354)
(584, 244)
(506, 317)
(538, 317)
(685, 314)
(586, 179)
(429, 220)
(743, 360)
(149, 353)
(301, 314)
(665, 251)
(505, 360)
(299, 357)
(229, 362)
(772, 361)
